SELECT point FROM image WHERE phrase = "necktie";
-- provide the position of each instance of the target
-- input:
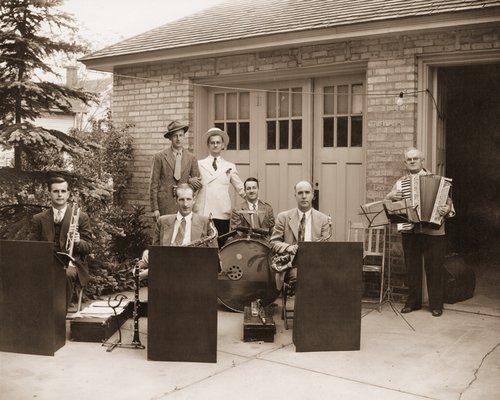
(177, 170)
(59, 216)
(252, 216)
(302, 228)
(179, 238)
(214, 164)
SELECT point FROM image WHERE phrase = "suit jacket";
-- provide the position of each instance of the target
(214, 195)
(265, 216)
(200, 228)
(286, 229)
(163, 181)
(43, 230)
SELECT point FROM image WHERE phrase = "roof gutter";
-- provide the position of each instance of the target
(454, 21)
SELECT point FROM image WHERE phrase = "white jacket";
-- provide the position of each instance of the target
(214, 195)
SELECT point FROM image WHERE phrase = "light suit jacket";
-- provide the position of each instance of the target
(286, 229)
(163, 181)
(200, 228)
(214, 195)
(265, 215)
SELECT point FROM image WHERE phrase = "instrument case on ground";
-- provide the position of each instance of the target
(92, 329)
(254, 330)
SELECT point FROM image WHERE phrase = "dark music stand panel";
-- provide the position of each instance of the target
(327, 313)
(182, 304)
(32, 298)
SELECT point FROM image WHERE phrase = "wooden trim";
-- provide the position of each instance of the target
(200, 120)
(325, 70)
(445, 21)
(426, 111)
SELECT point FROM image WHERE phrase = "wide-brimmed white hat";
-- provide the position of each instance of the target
(219, 132)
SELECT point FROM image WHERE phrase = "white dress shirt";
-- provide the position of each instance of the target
(56, 211)
(307, 232)
(187, 232)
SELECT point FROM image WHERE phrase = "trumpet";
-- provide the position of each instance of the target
(283, 262)
(70, 238)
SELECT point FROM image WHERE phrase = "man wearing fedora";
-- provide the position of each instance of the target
(216, 175)
(171, 167)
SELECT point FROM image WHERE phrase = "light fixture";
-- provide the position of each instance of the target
(399, 99)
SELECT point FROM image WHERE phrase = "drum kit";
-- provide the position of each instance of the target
(246, 275)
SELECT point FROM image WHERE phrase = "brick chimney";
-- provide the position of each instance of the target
(71, 76)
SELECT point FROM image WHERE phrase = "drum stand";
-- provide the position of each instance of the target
(387, 296)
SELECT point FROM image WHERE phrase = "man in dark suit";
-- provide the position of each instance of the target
(171, 167)
(182, 228)
(252, 212)
(52, 225)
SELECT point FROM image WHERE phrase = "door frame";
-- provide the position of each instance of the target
(427, 115)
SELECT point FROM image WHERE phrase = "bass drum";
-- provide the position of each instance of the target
(245, 274)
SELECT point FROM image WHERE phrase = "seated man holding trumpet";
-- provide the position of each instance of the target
(300, 224)
(184, 228)
(68, 228)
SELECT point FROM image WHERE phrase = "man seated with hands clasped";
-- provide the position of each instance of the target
(300, 224)
(180, 229)
(252, 212)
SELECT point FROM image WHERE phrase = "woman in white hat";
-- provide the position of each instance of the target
(216, 175)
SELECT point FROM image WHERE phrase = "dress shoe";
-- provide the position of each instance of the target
(408, 309)
(437, 313)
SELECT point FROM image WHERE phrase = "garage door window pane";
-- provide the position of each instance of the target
(231, 100)
(329, 100)
(342, 99)
(328, 132)
(219, 106)
(271, 135)
(342, 132)
(271, 104)
(231, 131)
(296, 134)
(283, 100)
(283, 134)
(244, 135)
(356, 131)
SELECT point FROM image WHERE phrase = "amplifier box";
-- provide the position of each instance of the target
(93, 329)
(254, 329)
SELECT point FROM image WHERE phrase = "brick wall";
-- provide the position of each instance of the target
(164, 94)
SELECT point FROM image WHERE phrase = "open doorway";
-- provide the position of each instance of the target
(472, 128)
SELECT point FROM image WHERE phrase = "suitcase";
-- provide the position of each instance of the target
(459, 280)
(92, 329)
(254, 330)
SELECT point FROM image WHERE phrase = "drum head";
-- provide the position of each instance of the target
(245, 274)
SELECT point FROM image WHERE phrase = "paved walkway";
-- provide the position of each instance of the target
(456, 356)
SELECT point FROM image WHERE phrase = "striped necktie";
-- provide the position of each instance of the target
(302, 228)
(179, 238)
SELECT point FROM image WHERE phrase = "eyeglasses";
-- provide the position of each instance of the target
(413, 159)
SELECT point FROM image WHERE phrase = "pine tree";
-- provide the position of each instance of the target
(28, 37)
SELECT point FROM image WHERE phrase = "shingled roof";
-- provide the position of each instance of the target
(240, 19)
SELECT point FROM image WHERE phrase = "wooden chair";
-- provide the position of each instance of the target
(373, 251)
(286, 313)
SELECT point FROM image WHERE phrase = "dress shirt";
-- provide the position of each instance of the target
(56, 211)
(187, 232)
(307, 231)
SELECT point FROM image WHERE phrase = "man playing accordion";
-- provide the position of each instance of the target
(422, 243)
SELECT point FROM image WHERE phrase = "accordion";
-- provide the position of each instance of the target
(424, 194)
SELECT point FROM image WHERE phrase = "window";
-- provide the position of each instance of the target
(343, 115)
(232, 115)
(284, 119)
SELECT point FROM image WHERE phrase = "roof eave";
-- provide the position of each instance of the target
(400, 26)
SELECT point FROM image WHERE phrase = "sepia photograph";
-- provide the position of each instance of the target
(249, 199)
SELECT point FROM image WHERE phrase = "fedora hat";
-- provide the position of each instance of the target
(219, 132)
(173, 127)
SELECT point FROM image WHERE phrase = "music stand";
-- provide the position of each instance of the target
(382, 213)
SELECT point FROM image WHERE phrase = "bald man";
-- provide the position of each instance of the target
(422, 245)
(300, 224)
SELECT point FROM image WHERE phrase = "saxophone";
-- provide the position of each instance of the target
(204, 241)
(283, 262)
